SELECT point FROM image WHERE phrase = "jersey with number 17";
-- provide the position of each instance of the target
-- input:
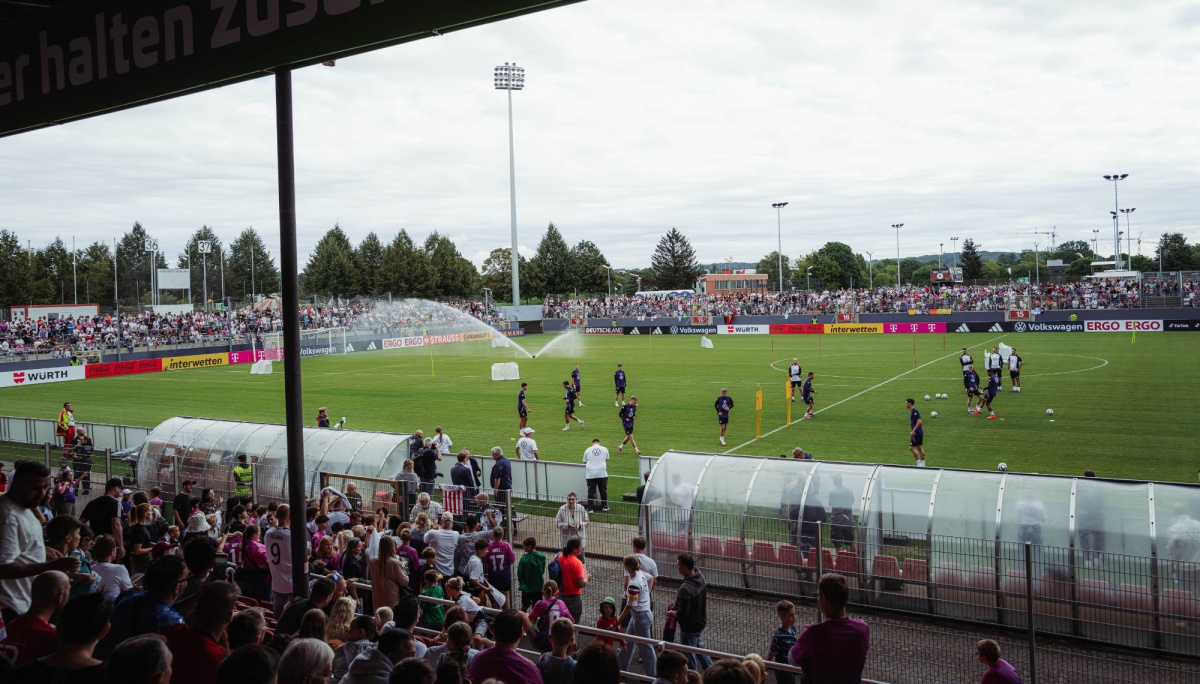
(279, 555)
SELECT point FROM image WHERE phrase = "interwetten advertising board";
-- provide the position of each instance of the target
(174, 363)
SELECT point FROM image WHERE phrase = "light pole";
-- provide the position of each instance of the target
(1160, 251)
(204, 247)
(954, 248)
(511, 77)
(941, 251)
(1114, 179)
(251, 275)
(1037, 267)
(1129, 235)
(779, 234)
(870, 271)
(897, 226)
(152, 248)
(1095, 243)
(609, 280)
(808, 279)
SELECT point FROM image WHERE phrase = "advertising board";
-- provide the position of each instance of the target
(854, 328)
(1022, 327)
(116, 368)
(403, 342)
(796, 329)
(743, 329)
(174, 363)
(41, 376)
(609, 330)
(1181, 325)
(1123, 326)
(914, 328)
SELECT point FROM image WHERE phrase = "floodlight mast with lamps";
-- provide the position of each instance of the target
(954, 248)
(779, 234)
(152, 247)
(204, 247)
(870, 270)
(511, 77)
(897, 226)
(1129, 235)
(1114, 179)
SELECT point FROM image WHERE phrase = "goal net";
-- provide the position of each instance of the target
(320, 342)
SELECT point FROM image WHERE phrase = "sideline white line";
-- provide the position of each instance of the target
(855, 396)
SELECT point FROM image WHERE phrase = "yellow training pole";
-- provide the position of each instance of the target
(758, 413)
(787, 398)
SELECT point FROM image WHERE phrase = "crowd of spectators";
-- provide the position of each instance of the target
(1100, 294)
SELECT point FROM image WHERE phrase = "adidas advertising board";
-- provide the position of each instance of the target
(978, 328)
(41, 376)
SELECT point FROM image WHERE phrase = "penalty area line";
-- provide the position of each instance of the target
(853, 396)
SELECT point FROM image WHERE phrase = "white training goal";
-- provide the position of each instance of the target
(505, 371)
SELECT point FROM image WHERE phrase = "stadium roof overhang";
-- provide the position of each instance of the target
(64, 60)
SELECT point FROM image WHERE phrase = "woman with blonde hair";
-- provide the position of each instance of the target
(325, 553)
(306, 661)
(339, 621)
(388, 577)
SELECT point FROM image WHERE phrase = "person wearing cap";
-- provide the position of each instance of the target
(243, 477)
(527, 449)
(183, 503)
(197, 526)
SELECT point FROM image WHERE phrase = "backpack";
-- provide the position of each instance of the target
(554, 570)
(542, 640)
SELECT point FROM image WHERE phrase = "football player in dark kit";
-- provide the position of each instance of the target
(628, 413)
(807, 394)
(522, 407)
(723, 405)
(993, 389)
(569, 396)
(916, 435)
(577, 384)
(974, 396)
(619, 380)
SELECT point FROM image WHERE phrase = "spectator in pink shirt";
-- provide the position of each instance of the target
(833, 651)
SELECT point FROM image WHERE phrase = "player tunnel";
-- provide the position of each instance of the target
(1109, 561)
(206, 451)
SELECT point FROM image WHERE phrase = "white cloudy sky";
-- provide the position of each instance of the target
(971, 119)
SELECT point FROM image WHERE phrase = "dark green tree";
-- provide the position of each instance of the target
(908, 271)
(1143, 263)
(15, 275)
(133, 265)
(1079, 268)
(330, 270)
(454, 275)
(553, 261)
(1008, 259)
(368, 259)
(674, 263)
(249, 267)
(971, 262)
(770, 265)
(407, 270)
(52, 281)
(1175, 252)
(199, 263)
(1070, 250)
(589, 268)
(497, 274)
(95, 275)
(849, 265)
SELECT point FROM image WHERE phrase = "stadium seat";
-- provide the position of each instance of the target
(948, 575)
(981, 577)
(788, 555)
(1178, 603)
(710, 546)
(661, 541)
(1014, 583)
(886, 567)
(1050, 587)
(735, 549)
(826, 560)
(846, 563)
(1094, 592)
(764, 552)
(915, 570)
(1135, 597)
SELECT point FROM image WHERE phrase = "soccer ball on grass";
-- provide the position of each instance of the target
(1002, 467)
(1049, 412)
(933, 414)
(926, 397)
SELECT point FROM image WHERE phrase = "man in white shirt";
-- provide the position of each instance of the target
(443, 540)
(527, 449)
(432, 509)
(22, 547)
(595, 461)
(1014, 370)
(794, 376)
(441, 441)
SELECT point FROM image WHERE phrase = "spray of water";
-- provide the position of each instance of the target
(420, 315)
(565, 345)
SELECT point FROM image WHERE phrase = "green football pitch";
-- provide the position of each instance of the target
(1122, 406)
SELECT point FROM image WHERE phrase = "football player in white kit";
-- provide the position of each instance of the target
(794, 376)
(966, 362)
(1014, 370)
(278, 541)
(995, 364)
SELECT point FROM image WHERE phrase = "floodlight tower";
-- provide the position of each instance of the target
(779, 234)
(511, 77)
(1114, 179)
